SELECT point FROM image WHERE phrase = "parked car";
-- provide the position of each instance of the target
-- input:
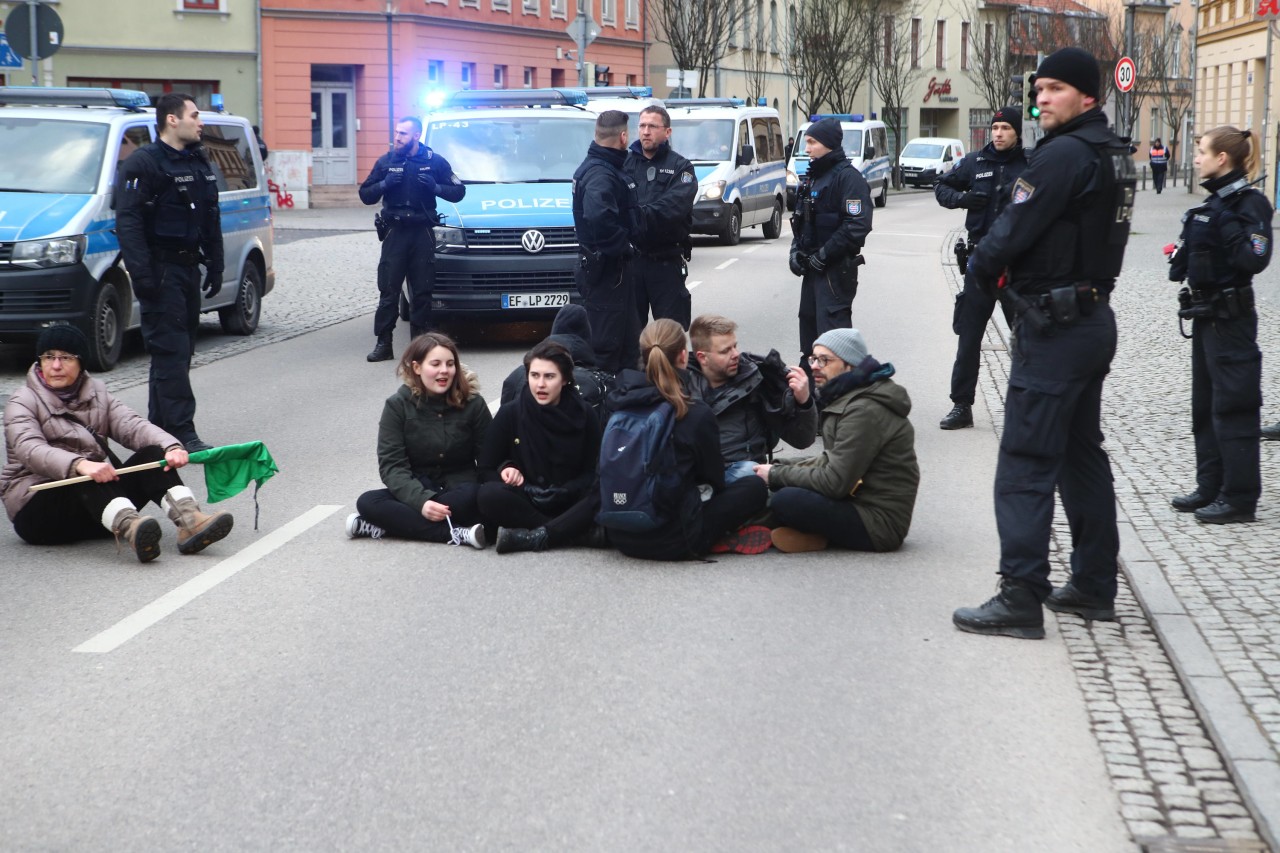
(927, 158)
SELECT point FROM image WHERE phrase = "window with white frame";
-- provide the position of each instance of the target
(435, 71)
(499, 76)
(915, 42)
(468, 75)
(633, 14)
(559, 8)
(773, 26)
(609, 12)
(530, 77)
(473, 4)
(532, 7)
(500, 5)
(964, 45)
(201, 6)
(940, 48)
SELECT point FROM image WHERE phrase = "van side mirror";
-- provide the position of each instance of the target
(869, 153)
(746, 155)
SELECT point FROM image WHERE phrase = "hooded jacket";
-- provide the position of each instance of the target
(45, 438)
(754, 414)
(572, 328)
(868, 458)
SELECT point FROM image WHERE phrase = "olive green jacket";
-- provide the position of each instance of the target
(425, 439)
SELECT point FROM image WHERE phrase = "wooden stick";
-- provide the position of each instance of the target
(86, 478)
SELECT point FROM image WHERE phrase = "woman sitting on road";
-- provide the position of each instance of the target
(860, 492)
(57, 426)
(544, 446)
(431, 431)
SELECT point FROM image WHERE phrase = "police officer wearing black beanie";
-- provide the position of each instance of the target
(1060, 242)
(980, 183)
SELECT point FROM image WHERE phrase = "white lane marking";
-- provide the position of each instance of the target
(902, 234)
(727, 264)
(750, 249)
(692, 284)
(131, 626)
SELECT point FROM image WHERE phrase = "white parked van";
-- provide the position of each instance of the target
(927, 158)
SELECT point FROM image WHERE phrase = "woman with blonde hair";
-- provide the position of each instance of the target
(694, 526)
(1225, 242)
(430, 434)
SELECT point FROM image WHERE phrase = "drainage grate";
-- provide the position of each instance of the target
(1169, 844)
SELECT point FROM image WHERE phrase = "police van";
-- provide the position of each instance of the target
(737, 156)
(59, 256)
(631, 100)
(507, 251)
(866, 141)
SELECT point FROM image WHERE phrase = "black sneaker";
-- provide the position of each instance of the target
(1012, 612)
(1191, 502)
(959, 417)
(1221, 512)
(1068, 599)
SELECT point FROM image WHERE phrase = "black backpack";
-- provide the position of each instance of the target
(639, 483)
(594, 385)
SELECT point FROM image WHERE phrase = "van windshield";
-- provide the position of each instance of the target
(513, 150)
(920, 151)
(703, 139)
(47, 156)
(852, 144)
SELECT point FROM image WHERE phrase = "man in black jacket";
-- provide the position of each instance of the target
(830, 225)
(981, 184)
(168, 223)
(665, 188)
(407, 179)
(606, 221)
(1061, 240)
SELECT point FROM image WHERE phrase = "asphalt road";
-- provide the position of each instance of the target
(330, 694)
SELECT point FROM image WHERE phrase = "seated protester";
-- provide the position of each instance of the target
(861, 491)
(57, 427)
(695, 526)
(572, 328)
(543, 446)
(756, 401)
(430, 434)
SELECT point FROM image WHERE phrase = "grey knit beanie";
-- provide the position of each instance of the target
(847, 344)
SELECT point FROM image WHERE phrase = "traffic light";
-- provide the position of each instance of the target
(1015, 89)
(1033, 111)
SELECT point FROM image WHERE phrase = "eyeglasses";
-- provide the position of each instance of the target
(50, 358)
(821, 360)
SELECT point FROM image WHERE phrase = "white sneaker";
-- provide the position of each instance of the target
(473, 536)
(358, 528)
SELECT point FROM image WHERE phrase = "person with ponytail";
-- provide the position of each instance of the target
(696, 526)
(1225, 242)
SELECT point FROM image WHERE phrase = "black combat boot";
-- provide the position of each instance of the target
(959, 417)
(1221, 512)
(381, 350)
(1068, 599)
(1012, 612)
(1191, 502)
(1271, 433)
(512, 539)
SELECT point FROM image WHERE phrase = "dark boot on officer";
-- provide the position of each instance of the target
(1014, 611)
(1069, 599)
(959, 417)
(1271, 433)
(381, 350)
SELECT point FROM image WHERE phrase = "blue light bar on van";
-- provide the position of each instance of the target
(619, 91)
(838, 116)
(704, 102)
(517, 98)
(74, 96)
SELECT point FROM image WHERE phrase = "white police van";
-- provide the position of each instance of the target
(507, 251)
(59, 256)
(737, 155)
(866, 141)
(631, 100)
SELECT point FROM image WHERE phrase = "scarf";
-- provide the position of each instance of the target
(67, 395)
(867, 372)
(551, 436)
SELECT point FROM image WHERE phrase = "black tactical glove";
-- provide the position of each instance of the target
(798, 262)
(427, 182)
(975, 200)
(818, 261)
(393, 179)
(212, 283)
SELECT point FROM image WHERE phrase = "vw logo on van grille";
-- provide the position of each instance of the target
(533, 241)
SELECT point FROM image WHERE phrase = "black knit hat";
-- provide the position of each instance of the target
(62, 338)
(828, 132)
(1075, 67)
(1010, 116)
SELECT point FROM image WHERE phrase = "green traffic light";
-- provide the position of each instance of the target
(1034, 111)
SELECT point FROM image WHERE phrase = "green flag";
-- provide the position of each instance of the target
(229, 470)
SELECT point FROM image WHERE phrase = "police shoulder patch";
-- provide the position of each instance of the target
(686, 177)
(853, 205)
(1022, 191)
(1259, 244)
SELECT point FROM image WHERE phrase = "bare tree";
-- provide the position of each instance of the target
(756, 63)
(991, 64)
(1167, 76)
(898, 68)
(698, 32)
(803, 61)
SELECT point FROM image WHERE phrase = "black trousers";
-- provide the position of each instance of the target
(659, 282)
(683, 538)
(1226, 403)
(508, 506)
(74, 513)
(1053, 438)
(611, 310)
(409, 250)
(826, 303)
(969, 322)
(1157, 177)
(811, 512)
(170, 321)
(402, 521)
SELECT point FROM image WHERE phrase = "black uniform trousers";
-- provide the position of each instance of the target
(1157, 177)
(74, 513)
(658, 281)
(826, 302)
(409, 250)
(508, 506)
(969, 322)
(726, 511)
(1053, 438)
(1226, 401)
(383, 509)
(170, 321)
(611, 310)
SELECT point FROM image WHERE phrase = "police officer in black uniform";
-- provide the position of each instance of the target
(168, 223)
(1225, 242)
(830, 224)
(665, 188)
(980, 183)
(606, 219)
(407, 179)
(1061, 241)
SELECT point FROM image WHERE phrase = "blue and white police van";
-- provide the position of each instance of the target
(737, 155)
(59, 255)
(866, 141)
(507, 251)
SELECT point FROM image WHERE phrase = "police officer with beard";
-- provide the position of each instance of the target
(665, 187)
(606, 221)
(1061, 241)
(830, 224)
(407, 179)
(168, 223)
(980, 183)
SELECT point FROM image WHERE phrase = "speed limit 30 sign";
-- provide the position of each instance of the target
(1126, 74)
